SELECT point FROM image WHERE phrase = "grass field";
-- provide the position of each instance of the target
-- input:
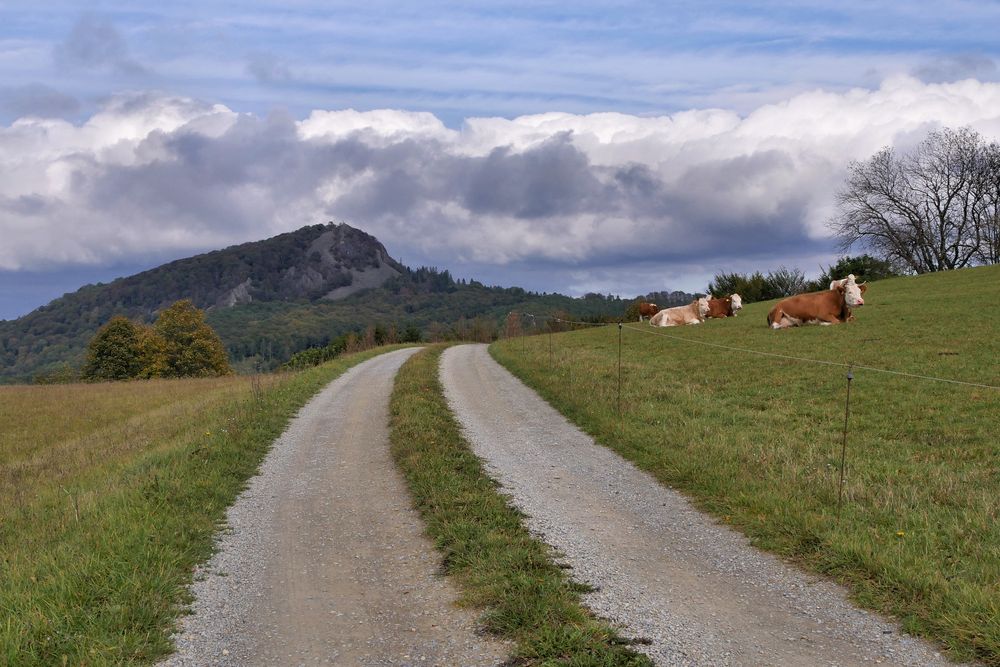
(502, 571)
(110, 494)
(757, 441)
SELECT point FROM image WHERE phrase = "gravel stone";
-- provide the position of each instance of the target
(324, 561)
(664, 572)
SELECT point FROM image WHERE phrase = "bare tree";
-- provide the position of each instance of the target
(923, 209)
(988, 213)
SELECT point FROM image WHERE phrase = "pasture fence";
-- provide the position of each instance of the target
(850, 366)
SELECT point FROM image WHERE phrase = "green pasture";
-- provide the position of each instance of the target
(756, 440)
(110, 495)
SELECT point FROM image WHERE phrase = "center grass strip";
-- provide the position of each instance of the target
(94, 569)
(500, 568)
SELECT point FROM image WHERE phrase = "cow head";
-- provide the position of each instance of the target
(836, 283)
(737, 302)
(852, 291)
(703, 307)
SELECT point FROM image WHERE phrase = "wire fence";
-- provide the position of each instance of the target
(534, 319)
(762, 353)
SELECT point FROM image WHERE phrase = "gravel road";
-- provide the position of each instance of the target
(665, 572)
(324, 562)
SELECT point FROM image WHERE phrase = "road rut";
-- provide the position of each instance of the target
(325, 561)
(665, 572)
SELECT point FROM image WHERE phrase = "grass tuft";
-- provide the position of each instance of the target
(501, 569)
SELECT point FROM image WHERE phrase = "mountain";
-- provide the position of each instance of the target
(269, 299)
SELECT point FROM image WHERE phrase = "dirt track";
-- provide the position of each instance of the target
(325, 562)
(665, 572)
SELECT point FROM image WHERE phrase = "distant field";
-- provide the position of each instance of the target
(110, 494)
(756, 440)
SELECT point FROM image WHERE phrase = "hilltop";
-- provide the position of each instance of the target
(269, 299)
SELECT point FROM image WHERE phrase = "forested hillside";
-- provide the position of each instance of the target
(269, 299)
(428, 299)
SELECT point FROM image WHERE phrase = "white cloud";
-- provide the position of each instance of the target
(705, 189)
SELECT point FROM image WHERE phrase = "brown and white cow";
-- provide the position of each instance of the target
(827, 307)
(725, 307)
(693, 313)
(647, 309)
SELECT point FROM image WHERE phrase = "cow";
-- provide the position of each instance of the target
(647, 309)
(725, 307)
(693, 313)
(826, 307)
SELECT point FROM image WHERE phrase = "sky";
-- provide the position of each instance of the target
(623, 147)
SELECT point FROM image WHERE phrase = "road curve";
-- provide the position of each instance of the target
(325, 562)
(664, 572)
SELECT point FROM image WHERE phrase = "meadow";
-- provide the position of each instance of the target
(110, 495)
(756, 440)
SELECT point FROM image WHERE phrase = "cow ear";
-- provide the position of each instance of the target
(863, 287)
(840, 287)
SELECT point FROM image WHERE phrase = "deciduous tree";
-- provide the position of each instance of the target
(931, 209)
(114, 352)
(188, 347)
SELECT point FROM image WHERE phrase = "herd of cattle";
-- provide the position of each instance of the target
(827, 307)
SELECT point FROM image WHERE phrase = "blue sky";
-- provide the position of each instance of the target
(669, 98)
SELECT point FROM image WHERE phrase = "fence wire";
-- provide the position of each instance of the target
(775, 355)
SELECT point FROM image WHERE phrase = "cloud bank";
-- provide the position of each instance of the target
(585, 200)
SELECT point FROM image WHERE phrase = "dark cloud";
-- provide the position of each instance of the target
(26, 205)
(95, 43)
(553, 179)
(709, 212)
(38, 100)
(266, 67)
(553, 190)
(956, 67)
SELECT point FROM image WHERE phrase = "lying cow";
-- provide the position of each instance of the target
(693, 313)
(827, 307)
(725, 307)
(647, 310)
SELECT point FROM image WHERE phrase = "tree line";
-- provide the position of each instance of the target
(784, 282)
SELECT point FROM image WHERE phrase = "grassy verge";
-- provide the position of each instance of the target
(499, 566)
(111, 494)
(756, 441)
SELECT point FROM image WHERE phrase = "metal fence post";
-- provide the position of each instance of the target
(843, 446)
(619, 371)
(550, 344)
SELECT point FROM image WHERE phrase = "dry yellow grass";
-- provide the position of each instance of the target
(56, 434)
(110, 494)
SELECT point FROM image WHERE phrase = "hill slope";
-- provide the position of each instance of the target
(269, 299)
(757, 439)
(310, 264)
